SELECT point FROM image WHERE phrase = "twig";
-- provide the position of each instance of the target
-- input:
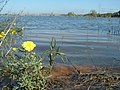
(73, 65)
(3, 4)
(89, 87)
(8, 52)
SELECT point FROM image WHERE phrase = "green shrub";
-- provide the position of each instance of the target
(21, 68)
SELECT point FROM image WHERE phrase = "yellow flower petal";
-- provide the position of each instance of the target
(28, 45)
(2, 34)
(13, 32)
(14, 49)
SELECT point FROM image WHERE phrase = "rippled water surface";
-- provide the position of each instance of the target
(85, 40)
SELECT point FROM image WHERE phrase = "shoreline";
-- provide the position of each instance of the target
(64, 69)
(65, 78)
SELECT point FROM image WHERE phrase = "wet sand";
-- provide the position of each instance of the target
(65, 77)
(64, 70)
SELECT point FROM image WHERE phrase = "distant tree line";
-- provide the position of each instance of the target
(93, 13)
(70, 14)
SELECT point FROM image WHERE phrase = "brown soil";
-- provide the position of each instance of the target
(64, 77)
(64, 70)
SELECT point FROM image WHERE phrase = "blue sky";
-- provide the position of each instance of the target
(61, 6)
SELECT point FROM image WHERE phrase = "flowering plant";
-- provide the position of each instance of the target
(21, 68)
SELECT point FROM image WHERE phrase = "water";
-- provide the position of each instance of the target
(86, 41)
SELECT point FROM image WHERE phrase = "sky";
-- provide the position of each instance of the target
(61, 6)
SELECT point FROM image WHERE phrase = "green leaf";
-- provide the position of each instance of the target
(53, 43)
(50, 60)
(58, 49)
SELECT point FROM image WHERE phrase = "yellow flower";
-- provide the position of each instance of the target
(2, 34)
(14, 49)
(28, 45)
(14, 24)
(13, 32)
